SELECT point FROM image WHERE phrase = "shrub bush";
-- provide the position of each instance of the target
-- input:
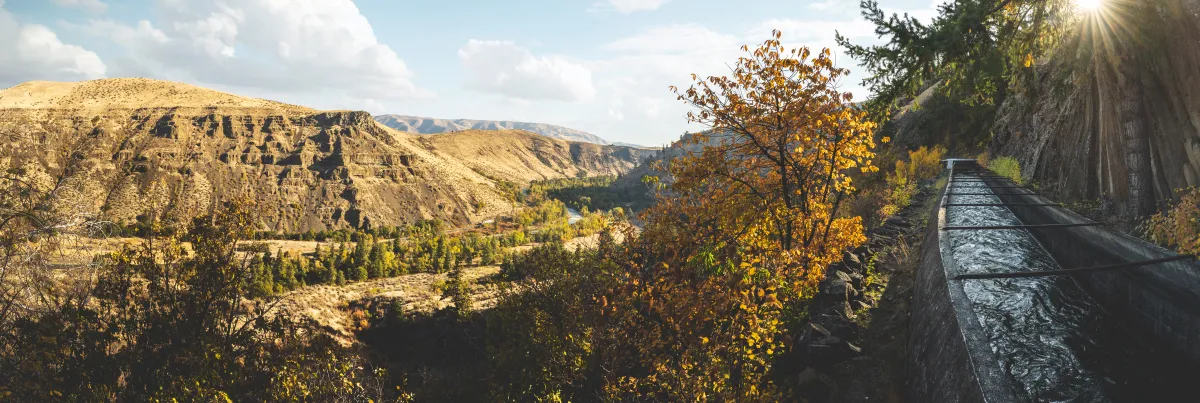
(1178, 227)
(1008, 167)
(923, 164)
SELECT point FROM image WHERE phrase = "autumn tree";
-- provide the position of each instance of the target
(745, 230)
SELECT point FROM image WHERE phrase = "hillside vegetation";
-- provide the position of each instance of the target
(700, 304)
(448, 267)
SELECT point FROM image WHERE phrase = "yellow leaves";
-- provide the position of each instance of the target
(749, 209)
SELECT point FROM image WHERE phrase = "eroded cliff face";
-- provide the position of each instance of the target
(1067, 133)
(321, 170)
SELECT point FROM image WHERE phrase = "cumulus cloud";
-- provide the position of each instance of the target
(95, 6)
(634, 80)
(279, 46)
(502, 67)
(34, 52)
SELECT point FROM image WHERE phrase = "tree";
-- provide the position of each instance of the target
(975, 48)
(165, 324)
(459, 291)
(745, 231)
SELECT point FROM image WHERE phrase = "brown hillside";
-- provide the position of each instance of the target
(151, 147)
(135, 148)
(522, 156)
(128, 93)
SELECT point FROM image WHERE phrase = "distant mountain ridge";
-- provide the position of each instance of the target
(422, 125)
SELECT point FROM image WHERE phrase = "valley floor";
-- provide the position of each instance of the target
(329, 305)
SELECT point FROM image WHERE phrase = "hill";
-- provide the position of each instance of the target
(526, 156)
(128, 93)
(420, 125)
(129, 149)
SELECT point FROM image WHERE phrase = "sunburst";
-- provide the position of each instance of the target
(1089, 6)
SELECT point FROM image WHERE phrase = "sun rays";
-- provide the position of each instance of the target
(1089, 6)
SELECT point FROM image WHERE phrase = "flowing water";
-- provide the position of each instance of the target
(1057, 344)
(573, 215)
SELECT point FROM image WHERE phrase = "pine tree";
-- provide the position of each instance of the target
(459, 293)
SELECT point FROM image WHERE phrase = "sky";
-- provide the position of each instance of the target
(602, 66)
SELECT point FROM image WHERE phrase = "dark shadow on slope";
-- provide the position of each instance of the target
(435, 356)
(854, 346)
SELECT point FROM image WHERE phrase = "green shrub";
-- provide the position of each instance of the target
(1008, 167)
(359, 274)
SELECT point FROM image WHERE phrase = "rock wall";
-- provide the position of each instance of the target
(1066, 133)
(315, 171)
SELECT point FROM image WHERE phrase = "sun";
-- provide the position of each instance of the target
(1089, 5)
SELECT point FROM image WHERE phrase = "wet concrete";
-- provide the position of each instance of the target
(1039, 339)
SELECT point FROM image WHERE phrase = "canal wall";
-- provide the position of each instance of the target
(1160, 302)
(949, 357)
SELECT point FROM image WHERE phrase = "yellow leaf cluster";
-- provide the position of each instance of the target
(758, 200)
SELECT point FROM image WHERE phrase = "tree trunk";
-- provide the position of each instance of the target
(1134, 135)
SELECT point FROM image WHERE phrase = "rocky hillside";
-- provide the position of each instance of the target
(1069, 133)
(525, 156)
(130, 148)
(419, 125)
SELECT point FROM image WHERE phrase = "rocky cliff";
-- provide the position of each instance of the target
(1067, 131)
(130, 148)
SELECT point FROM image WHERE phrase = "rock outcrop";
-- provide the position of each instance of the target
(134, 148)
(1067, 130)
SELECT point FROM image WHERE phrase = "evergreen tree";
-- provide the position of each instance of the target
(459, 293)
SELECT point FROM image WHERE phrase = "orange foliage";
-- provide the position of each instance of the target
(1179, 227)
(746, 230)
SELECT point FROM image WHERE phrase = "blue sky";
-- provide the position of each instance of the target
(602, 66)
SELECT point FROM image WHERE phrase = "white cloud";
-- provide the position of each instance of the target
(633, 82)
(826, 5)
(34, 52)
(616, 115)
(297, 46)
(675, 39)
(502, 67)
(817, 35)
(95, 6)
